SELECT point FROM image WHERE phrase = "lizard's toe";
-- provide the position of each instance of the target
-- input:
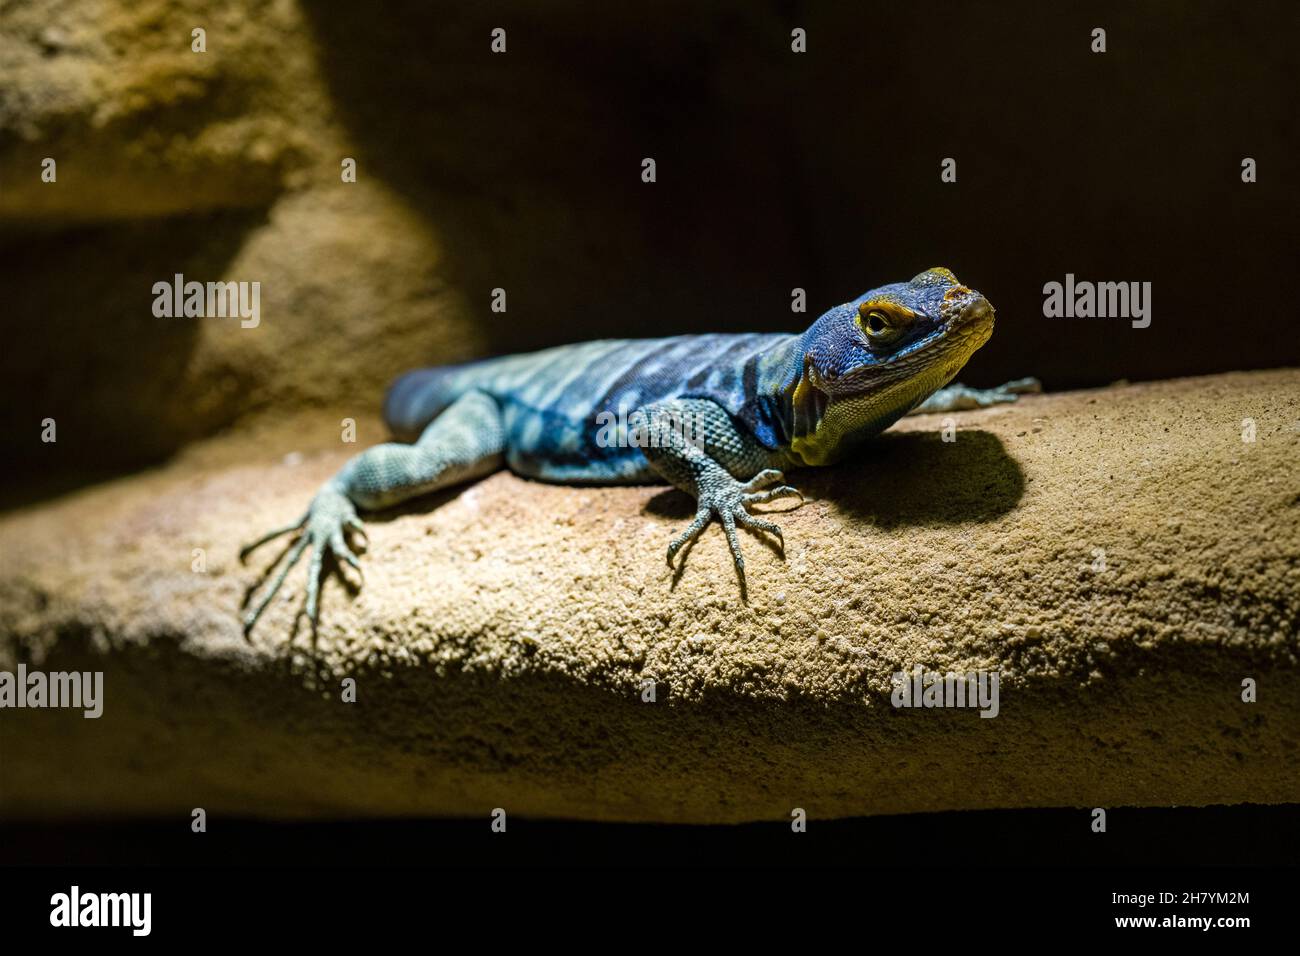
(768, 476)
(784, 491)
(692, 531)
(344, 553)
(353, 524)
(728, 518)
(758, 524)
(252, 546)
(313, 580)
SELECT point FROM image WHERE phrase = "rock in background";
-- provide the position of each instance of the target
(221, 166)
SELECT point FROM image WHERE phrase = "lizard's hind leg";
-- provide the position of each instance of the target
(466, 441)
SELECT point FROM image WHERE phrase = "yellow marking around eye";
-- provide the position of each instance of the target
(896, 316)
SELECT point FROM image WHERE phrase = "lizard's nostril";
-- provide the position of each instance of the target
(976, 310)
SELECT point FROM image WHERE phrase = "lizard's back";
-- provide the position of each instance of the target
(552, 401)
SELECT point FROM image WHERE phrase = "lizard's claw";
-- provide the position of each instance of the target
(322, 529)
(726, 497)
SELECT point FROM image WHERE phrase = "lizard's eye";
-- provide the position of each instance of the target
(879, 326)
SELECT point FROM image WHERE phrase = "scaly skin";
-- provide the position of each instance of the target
(719, 416)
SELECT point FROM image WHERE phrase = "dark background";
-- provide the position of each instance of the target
(1136, 836)
(821, 170)
(775, 170)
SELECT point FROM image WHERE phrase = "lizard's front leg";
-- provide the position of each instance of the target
(466, 441)
(695, 445)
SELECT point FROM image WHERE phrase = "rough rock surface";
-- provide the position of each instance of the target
(224, 165)
(1122, 557)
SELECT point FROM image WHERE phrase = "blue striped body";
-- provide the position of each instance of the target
(551, 401)
(718, 416)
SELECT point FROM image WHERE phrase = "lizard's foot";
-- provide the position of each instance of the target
(726, 497)
(959, 398)
(1008, 391)
(321, 528)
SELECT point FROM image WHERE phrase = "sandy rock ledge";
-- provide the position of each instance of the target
(1121, 557)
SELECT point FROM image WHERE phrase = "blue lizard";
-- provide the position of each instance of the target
(719, 416)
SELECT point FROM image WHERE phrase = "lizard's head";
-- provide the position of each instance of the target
(868, 362)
